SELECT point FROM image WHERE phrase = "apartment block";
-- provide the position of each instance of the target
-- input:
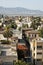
(37, 51)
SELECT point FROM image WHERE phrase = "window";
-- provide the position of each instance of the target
(39, 53)
(34, 54)
(3, 53)
(35, 35)
(39, 47)
(34, 48)
(39, 59)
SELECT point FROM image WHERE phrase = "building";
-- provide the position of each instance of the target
(23, 50)
(27, 20)
(21, 47)
(37, 51)
(32, 34)
(17, 33)
(8, 52)
(25, 30)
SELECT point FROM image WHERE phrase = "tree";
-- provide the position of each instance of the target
(19, 28)
(7, 33)
(25, 25)
(35, 22)
(13, 25)
(21, 63)
(20, 19)
(41, 32)
(38, 19)
(33, 25)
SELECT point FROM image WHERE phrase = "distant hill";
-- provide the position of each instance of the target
(19, 11)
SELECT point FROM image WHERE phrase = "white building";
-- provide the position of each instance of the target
(37, 51)
(8, 52)
(17, 33)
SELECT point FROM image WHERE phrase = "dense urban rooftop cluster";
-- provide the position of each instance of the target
(21, 38)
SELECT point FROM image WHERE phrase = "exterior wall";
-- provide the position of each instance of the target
(8, 58)
(10, 52)
(37, 51)
(32, 34)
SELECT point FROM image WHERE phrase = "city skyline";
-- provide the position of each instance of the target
(29, 4)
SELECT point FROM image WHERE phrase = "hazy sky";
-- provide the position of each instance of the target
(29, 4)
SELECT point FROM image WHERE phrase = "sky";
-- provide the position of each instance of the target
(29, 4)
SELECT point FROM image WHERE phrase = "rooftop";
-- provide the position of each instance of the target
(33, 31)
(22, 47)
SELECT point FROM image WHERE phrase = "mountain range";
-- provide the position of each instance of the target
(19, 11)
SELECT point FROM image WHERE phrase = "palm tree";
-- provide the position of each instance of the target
(7, 33)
